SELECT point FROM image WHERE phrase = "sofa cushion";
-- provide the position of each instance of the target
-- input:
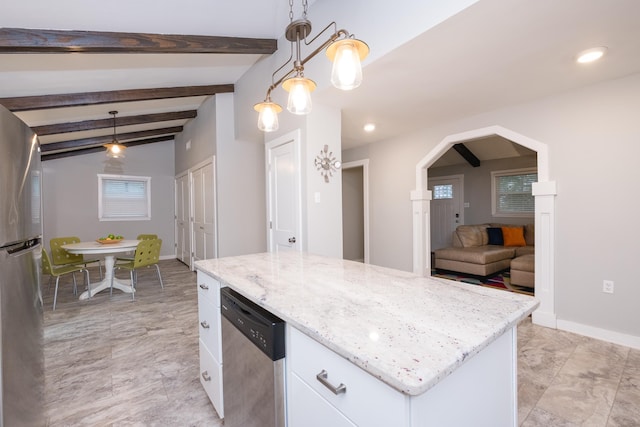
(513, 236)
(476, 254)
(524, 263)
(495, 236)
(529, 234)
(525, 250)
(472, 235)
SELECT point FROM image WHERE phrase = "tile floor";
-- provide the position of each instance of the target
(114, 362)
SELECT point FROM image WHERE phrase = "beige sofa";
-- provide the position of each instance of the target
(472, 254)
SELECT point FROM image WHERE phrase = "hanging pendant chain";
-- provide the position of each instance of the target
(305, 7)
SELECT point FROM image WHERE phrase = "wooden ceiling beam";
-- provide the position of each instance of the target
(58, 128)
(77, 152)
(63, 100)
(467, 154)
(106, 139)
(24, 40)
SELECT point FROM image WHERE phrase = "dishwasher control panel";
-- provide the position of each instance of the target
(264, 329)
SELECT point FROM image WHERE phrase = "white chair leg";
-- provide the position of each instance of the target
(75, 285)
(133, 288)
(55, 293)
(159, 276)
(86, 273)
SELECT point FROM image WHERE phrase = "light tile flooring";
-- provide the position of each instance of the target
(114, 362)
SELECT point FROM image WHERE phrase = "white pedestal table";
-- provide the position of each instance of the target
(109, 251)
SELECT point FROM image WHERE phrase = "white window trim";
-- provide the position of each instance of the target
(494, 198)
(146, 179)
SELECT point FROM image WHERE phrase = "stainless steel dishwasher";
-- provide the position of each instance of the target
(253, 363)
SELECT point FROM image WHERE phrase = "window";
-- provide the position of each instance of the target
(511, 192)
(443, 191)
(124, 198)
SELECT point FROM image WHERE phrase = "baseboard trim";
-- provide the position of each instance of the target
(600, 334)
(164, 257)
(545, 319)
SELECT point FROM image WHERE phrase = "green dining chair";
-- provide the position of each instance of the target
(62, 257)
(140, 237)
(57, 272)
(147, 255)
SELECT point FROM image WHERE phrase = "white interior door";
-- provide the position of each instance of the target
(283, 180)
(446, 209)
(204, 213)
(183, 240)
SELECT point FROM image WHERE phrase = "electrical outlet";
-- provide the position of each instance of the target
(607, 286)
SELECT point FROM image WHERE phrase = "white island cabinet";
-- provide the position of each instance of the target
(370, 346)
(209, 343)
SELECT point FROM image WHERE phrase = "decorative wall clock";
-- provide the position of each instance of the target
(326, 163)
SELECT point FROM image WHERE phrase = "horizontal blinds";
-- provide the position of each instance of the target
(514, 193)
(124, 198)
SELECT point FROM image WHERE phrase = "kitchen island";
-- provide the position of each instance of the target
(427, 343)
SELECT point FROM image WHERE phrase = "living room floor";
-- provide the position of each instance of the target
(111, 361)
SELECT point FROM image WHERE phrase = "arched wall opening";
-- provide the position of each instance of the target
(544, 192)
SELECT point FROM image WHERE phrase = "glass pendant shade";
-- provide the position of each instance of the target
(347, 55)
(267, 116)
(299, 90)
(115, 150)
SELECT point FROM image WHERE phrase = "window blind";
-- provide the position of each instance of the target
(124, 198)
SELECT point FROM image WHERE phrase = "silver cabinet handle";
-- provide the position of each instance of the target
(203, 286)
(204, 324)
(322, 377)
(206, 376)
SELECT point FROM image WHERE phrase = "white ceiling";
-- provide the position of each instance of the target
(493, 54)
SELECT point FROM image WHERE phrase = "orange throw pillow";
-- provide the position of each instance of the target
(513, 236)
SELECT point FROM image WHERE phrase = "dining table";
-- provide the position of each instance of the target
(109, 250)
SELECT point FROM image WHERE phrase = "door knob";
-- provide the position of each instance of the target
(292, 239)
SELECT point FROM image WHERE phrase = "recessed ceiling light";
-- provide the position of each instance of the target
(591, 55)
(369, 127)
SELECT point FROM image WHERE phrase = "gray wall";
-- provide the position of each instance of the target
(70, 195)
(240, 191)
(592, 137)
(352, 214)
(477, 187)
(200, 133)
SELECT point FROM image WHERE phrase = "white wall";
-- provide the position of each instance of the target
(592, 135)
(70, 195)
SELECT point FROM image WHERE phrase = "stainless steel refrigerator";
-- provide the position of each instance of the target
(21, 343)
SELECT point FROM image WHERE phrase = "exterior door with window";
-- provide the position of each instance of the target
(447, 210)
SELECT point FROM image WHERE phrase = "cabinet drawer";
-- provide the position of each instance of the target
(209, 327)
(209, 288)
(211, 378)
(308, 409)
(367, 401)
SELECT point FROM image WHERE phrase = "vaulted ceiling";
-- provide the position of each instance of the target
(155, 62)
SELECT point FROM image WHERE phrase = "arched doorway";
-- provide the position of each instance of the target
(544, 192)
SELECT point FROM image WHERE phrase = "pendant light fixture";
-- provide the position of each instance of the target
(115, 150)
(342, 48)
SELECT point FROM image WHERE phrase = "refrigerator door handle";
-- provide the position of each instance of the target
(23, 246)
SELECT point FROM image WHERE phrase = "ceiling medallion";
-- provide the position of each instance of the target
(326, 163)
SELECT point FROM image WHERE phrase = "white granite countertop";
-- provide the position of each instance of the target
(408, 331)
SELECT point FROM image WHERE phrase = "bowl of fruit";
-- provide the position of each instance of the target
(110, 239)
